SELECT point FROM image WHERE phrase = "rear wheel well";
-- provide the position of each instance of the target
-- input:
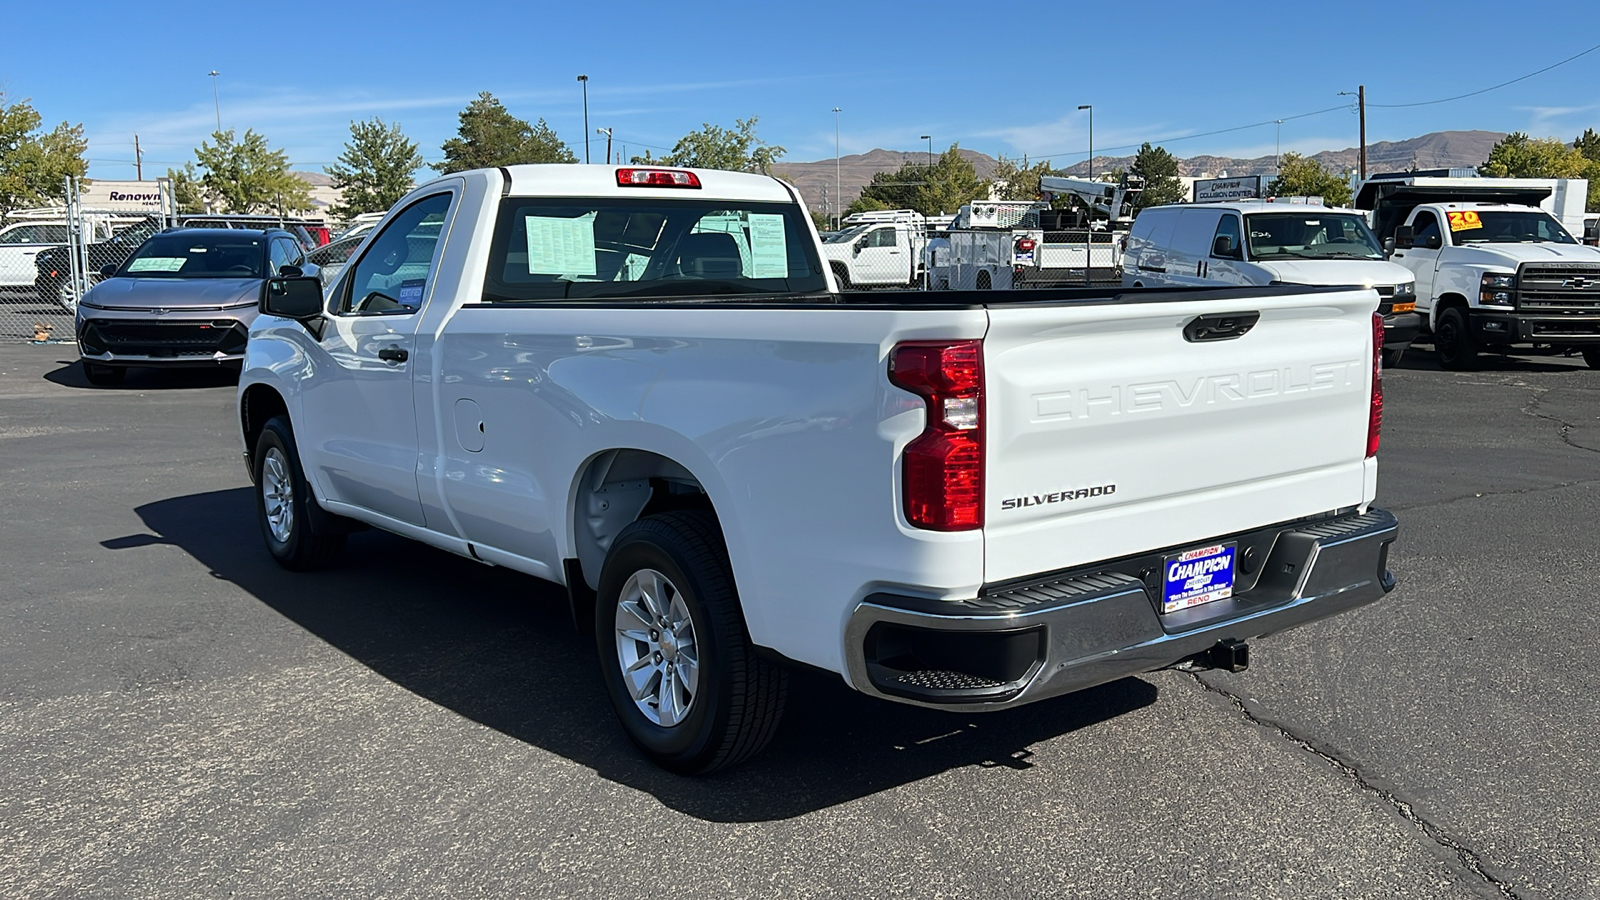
(258, 406)
(617, 488)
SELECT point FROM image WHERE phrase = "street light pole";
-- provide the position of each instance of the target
(1277, 151)
(1090, 108)
(929, 139)
(838, 197)
(607, 133)
(214, 101)
(584, 80)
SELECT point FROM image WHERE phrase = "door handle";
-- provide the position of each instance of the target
(393, 354)
(1220, 327)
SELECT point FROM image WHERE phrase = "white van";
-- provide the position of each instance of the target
(1261, 242)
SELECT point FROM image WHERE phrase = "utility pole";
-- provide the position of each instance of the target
(929, 139)
(1090, 108)
(1361, 101)
(584, 80)
(214, 101)
(838, 192)
(138, 158)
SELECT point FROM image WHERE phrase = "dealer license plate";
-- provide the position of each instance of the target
(1202, 575)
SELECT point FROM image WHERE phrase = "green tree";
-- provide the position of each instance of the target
(375, 169)
(735, 149)
(1588, 146)
(893, 189)
(244, 175)
(1519, 156)
(951, 182)
(490, 136)
(187, 192)
(1301, 176)
(1159, 169)
(1017, 180)
(33, 163)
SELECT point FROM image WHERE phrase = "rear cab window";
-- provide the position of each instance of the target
(580, 248)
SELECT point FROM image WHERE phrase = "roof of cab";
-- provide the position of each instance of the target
(579, 180)
(1250, 206)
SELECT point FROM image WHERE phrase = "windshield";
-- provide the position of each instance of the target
(845, 236)
(1310, 236)
(548, 249)
(34, 234)
(1476, 226)
(198, 255)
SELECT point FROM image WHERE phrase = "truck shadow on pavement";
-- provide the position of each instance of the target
(499, 648)
(70, 374)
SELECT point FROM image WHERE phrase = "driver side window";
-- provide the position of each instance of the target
(391, 277)
(882, 237)
(1426, 224)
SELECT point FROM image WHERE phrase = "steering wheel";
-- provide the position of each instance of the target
(240, 270)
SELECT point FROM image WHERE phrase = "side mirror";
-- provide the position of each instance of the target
(108, 270)
(1223, 248)
(290, 272)
(861, 243)
(1388, 247)
(1405, 237)
(1433, 241)
(292, 298)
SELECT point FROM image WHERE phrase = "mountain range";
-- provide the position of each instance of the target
(1437, 150)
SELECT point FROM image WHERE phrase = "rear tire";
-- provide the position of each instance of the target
(677, 662)
(985, 281)
(1453, 340)
(1591, 355)
(283, 503)
(103, 376)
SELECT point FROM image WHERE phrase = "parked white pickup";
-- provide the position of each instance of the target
(643, 384)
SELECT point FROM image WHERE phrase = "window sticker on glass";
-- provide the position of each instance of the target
(769, 252)
(157, 264)
(560, 246)
(411, 292)
(1465, 220)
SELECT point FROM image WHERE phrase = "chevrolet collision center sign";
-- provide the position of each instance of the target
(122, 196)
(1213, 190)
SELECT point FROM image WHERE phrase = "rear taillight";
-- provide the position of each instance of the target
(1026, 245)
(1375, 415)
(943, 467)
(677, 178)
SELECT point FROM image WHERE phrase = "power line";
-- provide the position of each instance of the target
(1188, 137)
(1487, 89)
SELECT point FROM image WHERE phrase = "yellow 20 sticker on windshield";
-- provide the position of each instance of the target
(1465, 220)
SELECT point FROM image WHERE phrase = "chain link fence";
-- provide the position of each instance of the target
(50, 257)
(989, 245)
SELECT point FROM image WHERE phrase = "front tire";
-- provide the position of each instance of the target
(1458, 351)
(675, 657)
(842, 275)
(1391, 358)
(102, 376)
(283, 503)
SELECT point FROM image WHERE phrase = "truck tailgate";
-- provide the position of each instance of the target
(1109, 432)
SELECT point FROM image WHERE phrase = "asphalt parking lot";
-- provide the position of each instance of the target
(180, 718)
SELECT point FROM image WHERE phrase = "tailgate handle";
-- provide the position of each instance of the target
(1220, 326)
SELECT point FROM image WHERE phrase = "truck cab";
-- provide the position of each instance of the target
(878, 249)
(1265, 242)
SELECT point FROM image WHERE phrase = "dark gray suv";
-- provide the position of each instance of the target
(184, 298)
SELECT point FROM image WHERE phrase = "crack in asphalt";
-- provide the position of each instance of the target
(1468, 858)
(1563, 429)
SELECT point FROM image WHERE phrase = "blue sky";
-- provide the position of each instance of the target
(998, 78)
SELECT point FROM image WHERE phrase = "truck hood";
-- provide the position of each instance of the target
(174, 293)
(837, 251)
(1338, 271)
(1512, 255)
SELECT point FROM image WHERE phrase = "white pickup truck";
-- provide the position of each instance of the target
(643, 384)
(1491, 276)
